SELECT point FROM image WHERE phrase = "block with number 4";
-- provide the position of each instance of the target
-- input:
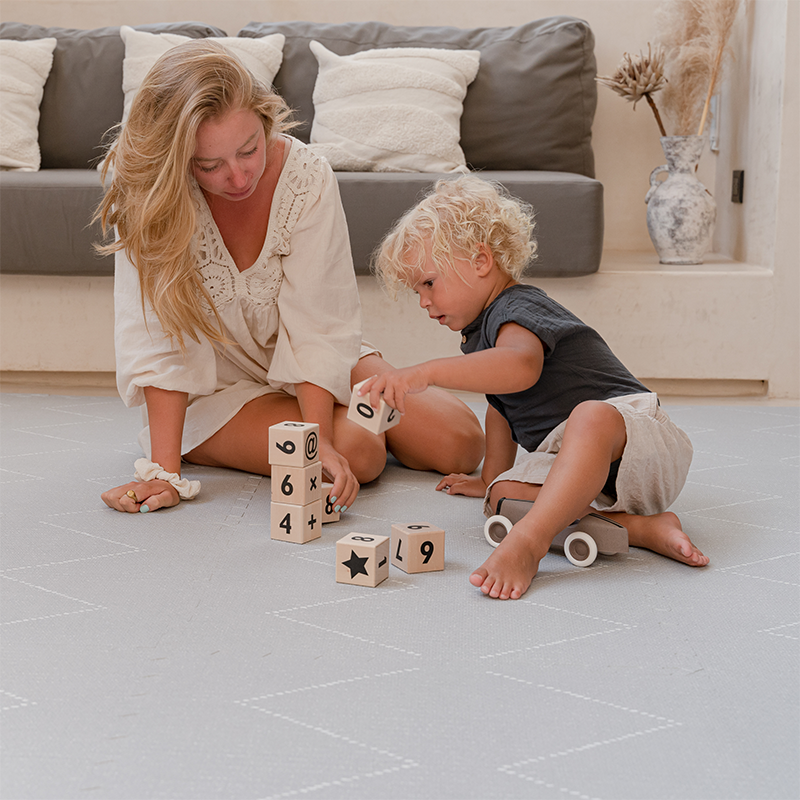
(375, 420)
(297, 485)
(362, 559)
(298, 524)
(294, 444)
(417, 547)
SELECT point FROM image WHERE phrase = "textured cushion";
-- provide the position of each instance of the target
(83, 94)
(24, 67)
(531, 105)
(391, 110)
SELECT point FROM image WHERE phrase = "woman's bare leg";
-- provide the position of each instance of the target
(438, 432)
(243, 443)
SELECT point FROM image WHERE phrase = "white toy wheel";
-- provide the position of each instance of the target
(496, 529)
(580, 549)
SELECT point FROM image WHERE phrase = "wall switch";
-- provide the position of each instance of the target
(737, 188)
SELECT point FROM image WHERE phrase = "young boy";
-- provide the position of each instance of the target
(597, 439)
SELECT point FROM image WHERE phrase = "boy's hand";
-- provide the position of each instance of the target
(395, 385)
(458, 483)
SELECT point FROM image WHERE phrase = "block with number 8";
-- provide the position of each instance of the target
(375, 420)
(417, 547)
(297, 485)
(362, 559)
(294, 444)
(298, 524)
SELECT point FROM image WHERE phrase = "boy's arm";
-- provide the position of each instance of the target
(512, 365)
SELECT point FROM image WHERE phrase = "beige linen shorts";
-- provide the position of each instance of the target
(653, 468)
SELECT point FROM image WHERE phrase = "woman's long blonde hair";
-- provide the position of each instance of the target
(149, 201)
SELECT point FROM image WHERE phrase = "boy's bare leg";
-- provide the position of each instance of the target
(577, 477)
(438, 431)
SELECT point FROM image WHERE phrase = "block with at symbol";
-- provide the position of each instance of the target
(294, 444)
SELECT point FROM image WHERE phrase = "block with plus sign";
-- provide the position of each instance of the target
(375, 420)
(362, 559)
(297, 485)
(417, 547)
(294, 444)
(298, 524)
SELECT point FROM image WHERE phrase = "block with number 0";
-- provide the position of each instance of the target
(417, 547)
(362, 559)
(375, 420)
(298, 524)
(294, 444)
(297, 485)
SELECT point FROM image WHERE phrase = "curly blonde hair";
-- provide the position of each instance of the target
(453, 220)
(149, 201)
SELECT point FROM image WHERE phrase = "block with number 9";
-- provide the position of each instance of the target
(362, 559)
(375, 420)
(417, 547)
(294, 444)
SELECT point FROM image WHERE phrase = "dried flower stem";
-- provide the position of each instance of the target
(657, 115)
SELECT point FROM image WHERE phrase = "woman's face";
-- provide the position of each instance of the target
(230, 154)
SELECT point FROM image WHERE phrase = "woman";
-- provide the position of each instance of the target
(236, 303)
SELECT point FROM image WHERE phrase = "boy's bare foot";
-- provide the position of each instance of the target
(509, 570)
(663, 534)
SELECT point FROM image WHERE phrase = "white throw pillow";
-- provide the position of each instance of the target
(24, 67)
(261, 56)
(391, 110)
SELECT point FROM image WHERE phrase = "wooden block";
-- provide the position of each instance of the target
(362, 559)
(417, 547)
(374, 420)
(297, 485)
(298, 524)
(294, 444)
(328, 514)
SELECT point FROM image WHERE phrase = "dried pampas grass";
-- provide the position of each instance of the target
(695, 36)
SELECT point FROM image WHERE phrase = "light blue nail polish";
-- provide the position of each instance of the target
(333, 499)
(337, 508)
(344, 508)
(144, 509)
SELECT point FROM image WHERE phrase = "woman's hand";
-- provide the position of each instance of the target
(459, 483)
(147, 496)
(345, 486)
(395, 385)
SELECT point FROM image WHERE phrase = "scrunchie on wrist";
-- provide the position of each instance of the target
(149, 470)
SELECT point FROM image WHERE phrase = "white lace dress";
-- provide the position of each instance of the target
(293, 316)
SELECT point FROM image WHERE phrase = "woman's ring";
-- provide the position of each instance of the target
(130, 493)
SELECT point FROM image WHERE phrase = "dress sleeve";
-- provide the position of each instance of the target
(319, 333)
(145, 355)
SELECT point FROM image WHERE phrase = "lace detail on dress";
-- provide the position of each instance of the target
(261, 282)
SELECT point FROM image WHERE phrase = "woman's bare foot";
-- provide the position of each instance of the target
(663, 534)
(509, 570)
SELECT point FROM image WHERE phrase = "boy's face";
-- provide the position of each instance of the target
(454, 298)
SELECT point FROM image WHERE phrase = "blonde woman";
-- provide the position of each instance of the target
(235, 298)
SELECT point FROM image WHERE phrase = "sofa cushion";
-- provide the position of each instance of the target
(531, 106)
(83, 95)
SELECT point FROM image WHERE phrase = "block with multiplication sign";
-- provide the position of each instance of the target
(375, 420)
(297, 485)
(362, 559)
(294, 444)
(298, 524)
(328, 513)
(417, 547)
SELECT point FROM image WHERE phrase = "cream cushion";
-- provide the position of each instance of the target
(391, 110)
(24, 67)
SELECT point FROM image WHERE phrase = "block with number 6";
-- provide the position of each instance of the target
(297, 485)
(417, 547)
(294, 444)
(298, 524)
(362, 559)
(375, 420)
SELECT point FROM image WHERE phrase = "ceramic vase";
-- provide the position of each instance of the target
(680, 210)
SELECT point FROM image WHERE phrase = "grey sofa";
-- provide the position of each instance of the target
(526, 123)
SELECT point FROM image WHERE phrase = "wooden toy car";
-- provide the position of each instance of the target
(580, 542)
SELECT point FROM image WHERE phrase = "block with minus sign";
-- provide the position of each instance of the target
(362, 559)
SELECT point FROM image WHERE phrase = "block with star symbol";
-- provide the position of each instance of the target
(417, 547)
(375, 420)
(297, 485)
(362, 559)
(294, 444)
(298, 524)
